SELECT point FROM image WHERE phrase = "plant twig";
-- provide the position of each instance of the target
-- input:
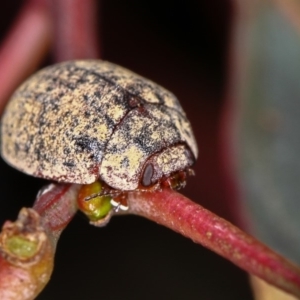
(56, 206)
(75, 29)
(26, 257)
(24, 47)
(27, 246)
(173, 210)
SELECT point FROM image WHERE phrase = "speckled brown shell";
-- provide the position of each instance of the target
(80, 120)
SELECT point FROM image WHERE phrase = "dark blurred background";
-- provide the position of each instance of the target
(183, 46)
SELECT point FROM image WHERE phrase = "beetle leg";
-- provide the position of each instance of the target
(177, 180)
(120, 202)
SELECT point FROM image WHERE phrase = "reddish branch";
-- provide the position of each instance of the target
(26, 257)
(57, 204)
(24, 47)
(173, 210)
(75, 29)
(27, 246)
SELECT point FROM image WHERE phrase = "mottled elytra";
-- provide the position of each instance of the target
(80, 121)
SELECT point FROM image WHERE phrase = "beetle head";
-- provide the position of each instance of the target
(163, 165)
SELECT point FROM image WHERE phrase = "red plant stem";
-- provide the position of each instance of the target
(173, 210)
(23, 277)
(24, 47)
(26, 257)
(75, 29)
(56, 205)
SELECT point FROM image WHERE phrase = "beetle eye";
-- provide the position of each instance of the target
(147, 176)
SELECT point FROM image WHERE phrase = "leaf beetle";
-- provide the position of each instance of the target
(89, 120)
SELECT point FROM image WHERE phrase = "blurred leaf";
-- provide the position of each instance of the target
(270, 135)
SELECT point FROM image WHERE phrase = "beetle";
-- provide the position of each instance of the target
(88, 120)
